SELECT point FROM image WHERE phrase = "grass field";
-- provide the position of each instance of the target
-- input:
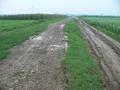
(13, 32)
(109, 25)
(80, 67)
(7, 25)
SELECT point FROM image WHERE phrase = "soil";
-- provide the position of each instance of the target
(107, 52)
(36, 64)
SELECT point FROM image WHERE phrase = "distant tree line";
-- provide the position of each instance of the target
(31, 16)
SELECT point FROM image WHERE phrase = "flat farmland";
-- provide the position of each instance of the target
(13, 32)
(108, 25)
(59, 53)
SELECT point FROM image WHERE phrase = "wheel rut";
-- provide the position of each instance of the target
(107, 52)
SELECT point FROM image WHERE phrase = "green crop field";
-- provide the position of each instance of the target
(109, 25)
(80, 66)
(13, 32)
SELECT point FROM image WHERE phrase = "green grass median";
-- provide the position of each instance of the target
(81, 71)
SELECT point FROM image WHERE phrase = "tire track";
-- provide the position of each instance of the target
(107, 52)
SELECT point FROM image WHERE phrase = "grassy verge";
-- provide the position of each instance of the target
(80, 67)
(12, 34)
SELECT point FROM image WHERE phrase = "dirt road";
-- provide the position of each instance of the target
(37, 63)
(107, 52)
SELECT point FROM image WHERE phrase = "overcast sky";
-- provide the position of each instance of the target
(77, 7)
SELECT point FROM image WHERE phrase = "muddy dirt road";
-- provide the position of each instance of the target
(37, 63)
(107, 52)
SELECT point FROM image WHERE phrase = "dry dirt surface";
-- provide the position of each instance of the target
(36, 64)
(107, 52)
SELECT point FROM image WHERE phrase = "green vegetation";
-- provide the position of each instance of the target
(31, 17)
(80, 67)
(8, 25)
(13, 32)
(109, 25)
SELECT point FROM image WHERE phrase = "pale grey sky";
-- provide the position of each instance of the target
(77, 7)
